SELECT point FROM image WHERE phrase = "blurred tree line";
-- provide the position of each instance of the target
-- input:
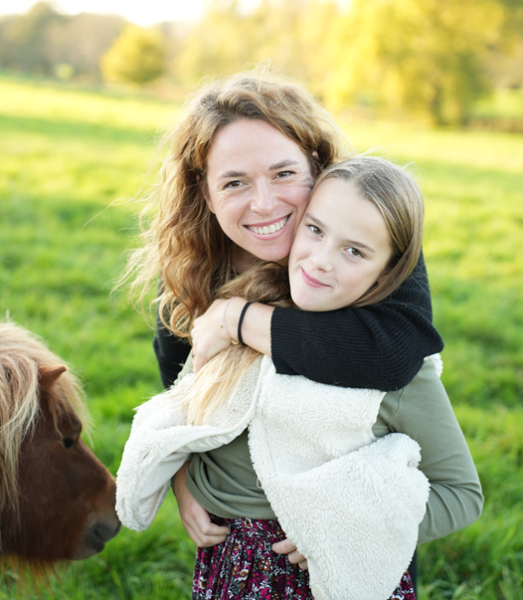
(431, 58)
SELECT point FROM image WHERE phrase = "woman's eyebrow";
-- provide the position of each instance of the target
(283, 163)
(274, 167)
(233, 174)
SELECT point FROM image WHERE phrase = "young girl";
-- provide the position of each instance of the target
(320, 473)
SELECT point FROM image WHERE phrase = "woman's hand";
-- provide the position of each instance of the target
(215, 330)
(194, 517)
(287, 547)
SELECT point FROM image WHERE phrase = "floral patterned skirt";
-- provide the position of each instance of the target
(245, 567)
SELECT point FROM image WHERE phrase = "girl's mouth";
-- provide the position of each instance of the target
(311, 281)
(269, 228)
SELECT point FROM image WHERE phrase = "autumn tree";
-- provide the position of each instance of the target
(289, 33)
(425, 57)
(137, 57)
(24, 39)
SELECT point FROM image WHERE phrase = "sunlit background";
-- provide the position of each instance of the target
(140, 13)
(458, 63)
(86, 89)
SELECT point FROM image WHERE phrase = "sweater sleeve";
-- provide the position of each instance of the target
(423, 412)
(381, 346)
(171, 352)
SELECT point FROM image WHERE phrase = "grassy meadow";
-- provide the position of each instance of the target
(67, 155)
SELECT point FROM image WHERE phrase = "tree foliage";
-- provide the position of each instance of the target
(24, 41)
(137, 56)
(39, 40)
(431, 58)
(424, 57)
(418, 56)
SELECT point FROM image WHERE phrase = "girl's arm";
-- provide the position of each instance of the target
(380, 346)
(423, 411)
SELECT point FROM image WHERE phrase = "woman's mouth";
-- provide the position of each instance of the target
(267, 229)
(311, 281)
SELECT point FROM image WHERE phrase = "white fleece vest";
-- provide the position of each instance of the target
(351, 504)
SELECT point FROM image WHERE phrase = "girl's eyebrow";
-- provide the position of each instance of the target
(274, 167)
(322, 225)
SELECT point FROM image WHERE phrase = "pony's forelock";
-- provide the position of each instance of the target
(21, 355)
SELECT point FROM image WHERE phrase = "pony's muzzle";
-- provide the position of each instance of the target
(96, 535)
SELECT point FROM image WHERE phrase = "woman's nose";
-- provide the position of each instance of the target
(263, 202)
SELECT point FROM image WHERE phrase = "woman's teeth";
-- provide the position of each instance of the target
(270, 229)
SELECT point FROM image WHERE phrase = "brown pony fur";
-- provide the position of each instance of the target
(56, 498)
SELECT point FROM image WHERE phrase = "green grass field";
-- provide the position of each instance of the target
(67, 155)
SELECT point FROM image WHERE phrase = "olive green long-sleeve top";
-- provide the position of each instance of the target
(224, 481)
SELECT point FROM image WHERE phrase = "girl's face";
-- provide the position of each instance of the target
(258, 184)
(341, 249)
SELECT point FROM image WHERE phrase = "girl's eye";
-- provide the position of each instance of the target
(315, 230)
(354, 252)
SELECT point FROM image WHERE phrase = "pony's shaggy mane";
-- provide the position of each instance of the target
(21, 355)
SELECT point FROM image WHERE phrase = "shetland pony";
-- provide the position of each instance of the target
(56, 498)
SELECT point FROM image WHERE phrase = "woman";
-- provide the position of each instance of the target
(302, 435)
(235, 184)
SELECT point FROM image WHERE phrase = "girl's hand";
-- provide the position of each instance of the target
(209, 337)
(194, 517)
(287, 547)
(215, 330)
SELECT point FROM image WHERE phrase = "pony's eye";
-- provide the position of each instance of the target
(68, 442)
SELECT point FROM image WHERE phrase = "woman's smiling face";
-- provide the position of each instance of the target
(258, 184)
(342, 248)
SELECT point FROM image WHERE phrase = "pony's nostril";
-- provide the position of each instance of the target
(103, 532)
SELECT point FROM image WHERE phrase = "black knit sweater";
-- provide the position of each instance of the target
(381, 346)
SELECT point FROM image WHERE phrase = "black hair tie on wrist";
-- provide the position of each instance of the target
(240, 322)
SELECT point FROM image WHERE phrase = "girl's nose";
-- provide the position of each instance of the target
(321, 258)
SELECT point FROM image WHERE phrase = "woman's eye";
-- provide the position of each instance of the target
(354, 252)
(233, 184)
(282, 174)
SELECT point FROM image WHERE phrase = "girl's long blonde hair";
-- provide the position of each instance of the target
(183, 242)
(264, 282)
(397, 196)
